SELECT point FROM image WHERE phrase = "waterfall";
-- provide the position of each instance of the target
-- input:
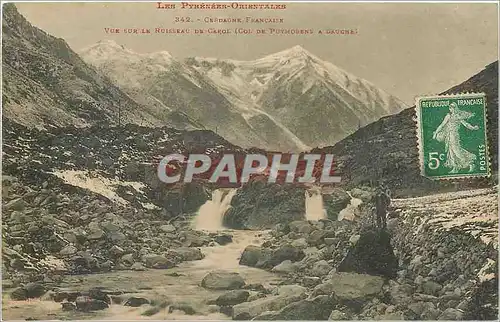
(210, 215)
(351, 210)
(314, 205)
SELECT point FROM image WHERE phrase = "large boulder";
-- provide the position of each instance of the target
(136, 301)
(351, 289)
(267, 259)
(186, 253)
(181, 198)
(168, 228)
(249, 310)
(286, 267)
(401, 294)
(19, 294)
(320, 268)
(68, 251)
(251, 255)
(290, 289)
(286, 252)
(30, 290)
(372, 254)
(317, 237)
(338, 315)
(157, 261)
(16, 204)
(317, 308)
(34, 290)
(222, 280)
(98, 294)
(452, 314)
(301, 227)
(193, 239)
(86, 304)
(232, 298)
(335, 201)
(483, 304)
(259, 205)
(223, 239)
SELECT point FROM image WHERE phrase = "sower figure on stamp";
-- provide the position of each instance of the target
(457, 157)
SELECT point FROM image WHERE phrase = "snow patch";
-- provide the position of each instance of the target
(351, 210)
(482, 275)
(473, 211)
(98, 184)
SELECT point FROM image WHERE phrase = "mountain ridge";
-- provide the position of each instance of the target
(48, 84)
(182, 88)
(387, 149)
(251, 87)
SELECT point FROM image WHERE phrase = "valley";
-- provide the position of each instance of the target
(271, 273)
(90, 232)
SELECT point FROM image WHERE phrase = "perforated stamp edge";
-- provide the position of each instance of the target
(419, 135)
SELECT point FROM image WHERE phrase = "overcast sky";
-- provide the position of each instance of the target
(405, 49)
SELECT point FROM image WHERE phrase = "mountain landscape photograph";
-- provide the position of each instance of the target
(95, 94)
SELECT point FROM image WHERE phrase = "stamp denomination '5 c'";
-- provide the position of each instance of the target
(452, 136)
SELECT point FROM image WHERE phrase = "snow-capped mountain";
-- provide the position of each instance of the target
(290, 100)
(125, 67)
(130, 70)
(159, 78)
(317, 101)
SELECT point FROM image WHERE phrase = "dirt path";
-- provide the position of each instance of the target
(473, 211)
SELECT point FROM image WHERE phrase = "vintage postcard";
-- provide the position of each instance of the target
(249, 161)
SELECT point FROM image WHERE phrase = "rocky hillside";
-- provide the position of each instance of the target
(436, 261)
(61, 229)
(45, 83)
(88, 200)
(120, 164)
(387, 149)
(117, 162)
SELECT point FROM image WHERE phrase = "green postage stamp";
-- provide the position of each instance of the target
(452, 136)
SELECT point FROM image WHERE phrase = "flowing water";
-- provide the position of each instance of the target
(351, 210)
(211, 214)
(314, 205)
(177, 285)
